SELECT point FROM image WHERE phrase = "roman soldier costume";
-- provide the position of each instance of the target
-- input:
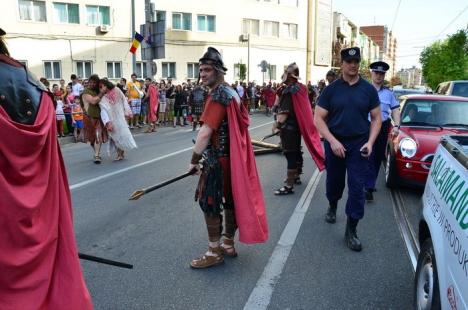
(229, 185)
(39, 267)
(294, 103)
(197, 101)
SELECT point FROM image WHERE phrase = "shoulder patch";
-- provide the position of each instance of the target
(291, 89)
(224, 94)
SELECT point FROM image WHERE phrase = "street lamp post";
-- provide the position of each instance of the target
(246, 38)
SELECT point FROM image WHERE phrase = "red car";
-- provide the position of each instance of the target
(424, 120)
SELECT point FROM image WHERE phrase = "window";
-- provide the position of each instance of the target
(114, 70)
(168, 70)
(97, 15)
(160, 15)
(84, 68)
(192, 70)
(32, 10)
(271, 72)
(141, 70)
(290, 31)
(206, 23)
(52, 70)
(182, 21)
(236, 72)
(66, 13)
(250, 26)
(270, 29)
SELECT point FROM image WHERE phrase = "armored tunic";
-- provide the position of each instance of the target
(214, 188)
(290, 133)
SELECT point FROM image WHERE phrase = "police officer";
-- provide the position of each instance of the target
(342, 119)
(388, 105)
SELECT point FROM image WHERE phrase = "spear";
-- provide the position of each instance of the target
(104, 261)
(138, 193)
(269, 136)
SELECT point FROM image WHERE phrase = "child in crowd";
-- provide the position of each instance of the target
(77, 114)
(60, 116)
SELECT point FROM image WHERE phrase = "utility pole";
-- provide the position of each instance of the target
(149, 17)
(248, 59)
(133, 33)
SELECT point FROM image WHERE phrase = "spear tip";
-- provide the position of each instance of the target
(137, 194)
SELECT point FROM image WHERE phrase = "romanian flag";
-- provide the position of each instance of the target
(137, 38)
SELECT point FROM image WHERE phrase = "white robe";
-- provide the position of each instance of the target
(115, 112)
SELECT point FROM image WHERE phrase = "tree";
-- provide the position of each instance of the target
(446, 60)
(364, 69)
(242, 71)
(395, 81)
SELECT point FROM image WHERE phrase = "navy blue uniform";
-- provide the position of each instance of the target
(348, 109)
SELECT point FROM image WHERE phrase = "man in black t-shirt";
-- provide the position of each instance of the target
(342, 119)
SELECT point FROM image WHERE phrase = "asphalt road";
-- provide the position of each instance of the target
(304, 265)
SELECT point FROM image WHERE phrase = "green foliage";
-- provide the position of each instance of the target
(446, 60)
(242, 71)
(364, 69)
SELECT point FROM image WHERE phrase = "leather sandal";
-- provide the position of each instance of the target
(285, 190)
(228, 247)
(297, 181)
(206, 261)
(97, 159)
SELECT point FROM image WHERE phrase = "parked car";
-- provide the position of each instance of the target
(453, 88)
(424, 120)
(407, 91)
(441, 278)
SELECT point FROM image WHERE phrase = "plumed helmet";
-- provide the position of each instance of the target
(213, 57)
(291, 71)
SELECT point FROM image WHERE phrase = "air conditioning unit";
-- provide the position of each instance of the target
(104, 28)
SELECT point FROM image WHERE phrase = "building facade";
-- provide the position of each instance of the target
(411, 77)
(387, 44)
(55, 39)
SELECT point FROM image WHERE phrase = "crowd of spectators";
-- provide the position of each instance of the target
(179, 104)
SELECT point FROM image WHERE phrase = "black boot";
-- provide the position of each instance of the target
(330, 217)
(351, 238)
(369, 195)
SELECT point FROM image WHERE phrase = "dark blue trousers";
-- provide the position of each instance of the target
(377, 155)
(355, 165)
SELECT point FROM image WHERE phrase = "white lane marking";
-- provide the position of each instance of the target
(107, 175)
(263, 290)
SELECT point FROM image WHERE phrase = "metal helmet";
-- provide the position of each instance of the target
(291, 71)
(213, 57)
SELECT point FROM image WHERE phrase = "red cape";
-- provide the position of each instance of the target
(39, 267)
(153, 103)
(305, 119)
(247, 192)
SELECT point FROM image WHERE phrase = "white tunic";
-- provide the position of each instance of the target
(114, 107)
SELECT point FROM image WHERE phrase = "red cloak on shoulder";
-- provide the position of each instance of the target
(39, 267)
(305, 119)
(153, 103)
(247, 191)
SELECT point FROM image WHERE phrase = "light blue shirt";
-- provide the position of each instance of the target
(388, 102)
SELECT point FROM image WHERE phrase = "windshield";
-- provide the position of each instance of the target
(460, 89)
(435, 113)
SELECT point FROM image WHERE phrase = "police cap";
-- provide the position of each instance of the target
(351, 53)
(379, 66)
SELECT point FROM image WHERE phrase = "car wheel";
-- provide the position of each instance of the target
(391, 177)
(426, 282)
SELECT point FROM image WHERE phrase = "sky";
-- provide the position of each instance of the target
(415, 24)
